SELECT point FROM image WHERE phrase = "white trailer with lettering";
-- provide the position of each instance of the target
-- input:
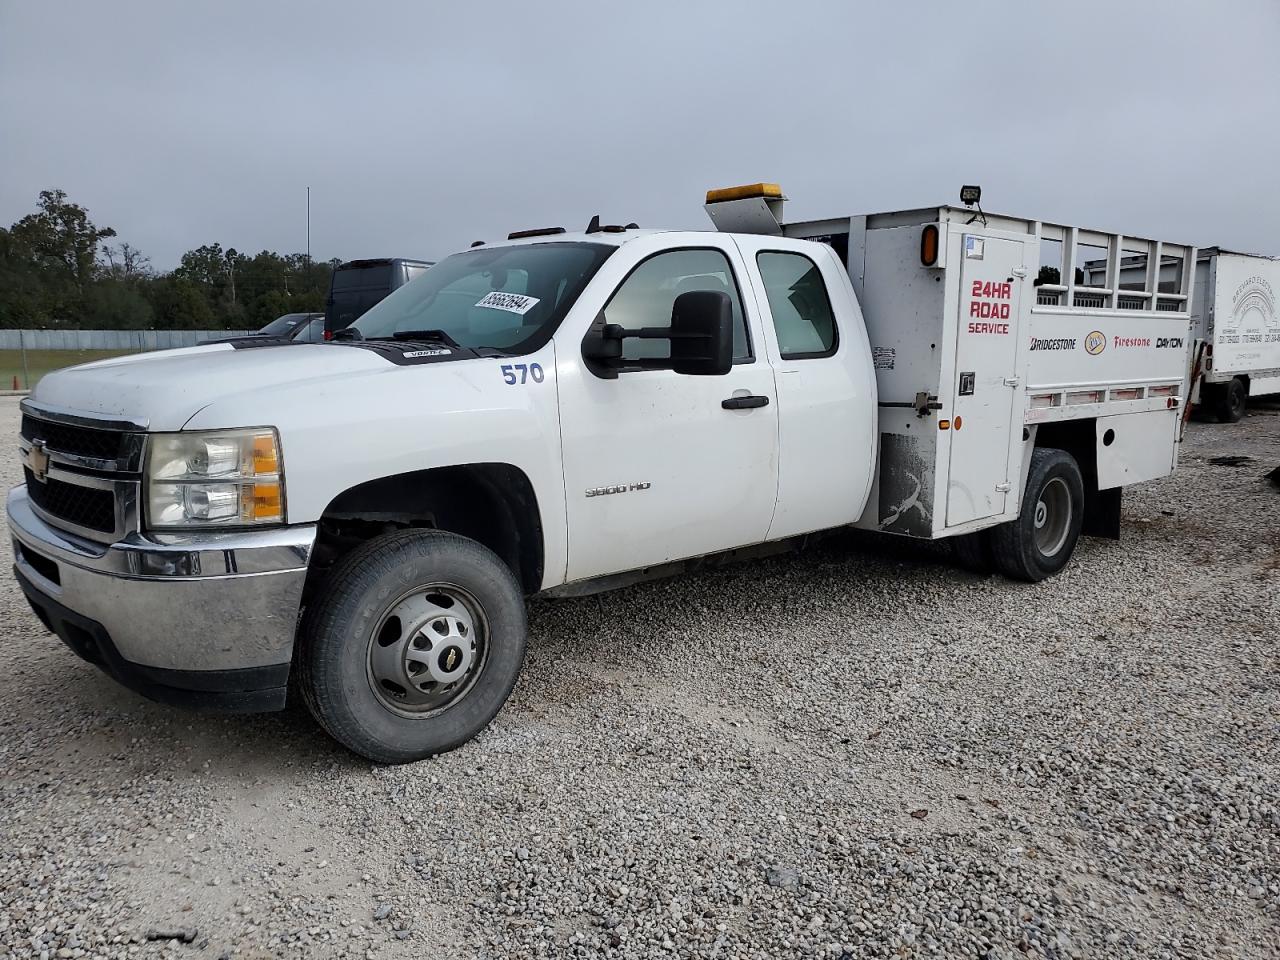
(1236, 317)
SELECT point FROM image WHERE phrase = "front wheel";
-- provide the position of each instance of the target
(412, 645)
(1041, 541)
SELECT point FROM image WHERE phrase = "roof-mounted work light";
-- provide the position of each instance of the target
(971, 196)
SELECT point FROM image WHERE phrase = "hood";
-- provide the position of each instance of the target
(166, 388)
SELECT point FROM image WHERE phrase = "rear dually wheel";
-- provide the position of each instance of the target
(1042, 539)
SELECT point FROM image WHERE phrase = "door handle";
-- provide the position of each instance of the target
(744, 403)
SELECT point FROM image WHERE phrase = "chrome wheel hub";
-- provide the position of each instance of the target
(428, 649)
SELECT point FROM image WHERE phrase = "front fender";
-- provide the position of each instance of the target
(336, 435)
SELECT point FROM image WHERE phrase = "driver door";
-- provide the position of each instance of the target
(656, 467)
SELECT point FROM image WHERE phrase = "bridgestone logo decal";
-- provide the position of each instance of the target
(1062, 343)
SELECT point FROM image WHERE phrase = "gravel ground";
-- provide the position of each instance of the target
(859, 751)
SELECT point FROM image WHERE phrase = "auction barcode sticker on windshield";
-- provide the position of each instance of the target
(511, 302)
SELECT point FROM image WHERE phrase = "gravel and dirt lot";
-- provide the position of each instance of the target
(859, 751)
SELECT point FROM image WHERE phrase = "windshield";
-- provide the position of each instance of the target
(310, 332)
(507, 298)
(282, 326)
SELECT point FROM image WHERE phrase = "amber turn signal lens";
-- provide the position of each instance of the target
(265, 457)
(266, 501)
(929, 244)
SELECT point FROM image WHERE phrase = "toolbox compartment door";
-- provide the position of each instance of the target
(984, 388)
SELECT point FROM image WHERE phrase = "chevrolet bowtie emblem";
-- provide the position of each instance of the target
(38, 460)
(451, 660)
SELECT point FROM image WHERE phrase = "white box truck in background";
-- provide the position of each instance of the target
(1236, 315)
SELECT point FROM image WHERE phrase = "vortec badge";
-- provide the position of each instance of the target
(38, 460)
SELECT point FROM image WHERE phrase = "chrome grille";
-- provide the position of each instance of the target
(81, 506)
(83, 472)
(77, 441)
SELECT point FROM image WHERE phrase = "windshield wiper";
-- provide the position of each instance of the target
(419, 336)
(424, 336)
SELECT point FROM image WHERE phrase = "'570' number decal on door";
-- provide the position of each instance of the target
(514, 373)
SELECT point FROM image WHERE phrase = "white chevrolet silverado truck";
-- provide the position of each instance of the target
(561, 413)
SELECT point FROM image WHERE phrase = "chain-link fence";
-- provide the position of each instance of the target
(124, 340)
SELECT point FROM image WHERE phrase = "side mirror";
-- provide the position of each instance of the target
(702, 333)
(701, 338)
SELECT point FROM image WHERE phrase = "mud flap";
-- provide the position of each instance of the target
(906, 486)
(1102, 513)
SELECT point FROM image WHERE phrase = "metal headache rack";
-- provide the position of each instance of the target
(1109, 271)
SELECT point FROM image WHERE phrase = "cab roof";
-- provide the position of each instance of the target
(612, 239)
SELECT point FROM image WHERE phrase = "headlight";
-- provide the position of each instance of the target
(224, 478)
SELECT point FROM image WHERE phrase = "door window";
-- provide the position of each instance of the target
(802, 314)
(646, 297)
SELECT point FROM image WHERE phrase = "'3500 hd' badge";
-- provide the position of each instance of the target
(618, 488)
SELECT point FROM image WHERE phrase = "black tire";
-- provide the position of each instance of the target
(973, 552)
(1231, 400)
(1041, 541)
(361, 595)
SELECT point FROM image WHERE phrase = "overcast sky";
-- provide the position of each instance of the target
(423, 126)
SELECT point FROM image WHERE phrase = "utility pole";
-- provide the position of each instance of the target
(308, 228)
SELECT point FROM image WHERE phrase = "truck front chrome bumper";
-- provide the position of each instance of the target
(206, 620)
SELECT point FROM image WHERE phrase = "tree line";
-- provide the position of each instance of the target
(58, 269)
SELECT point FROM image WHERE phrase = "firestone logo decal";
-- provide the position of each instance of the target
(1095, 343)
